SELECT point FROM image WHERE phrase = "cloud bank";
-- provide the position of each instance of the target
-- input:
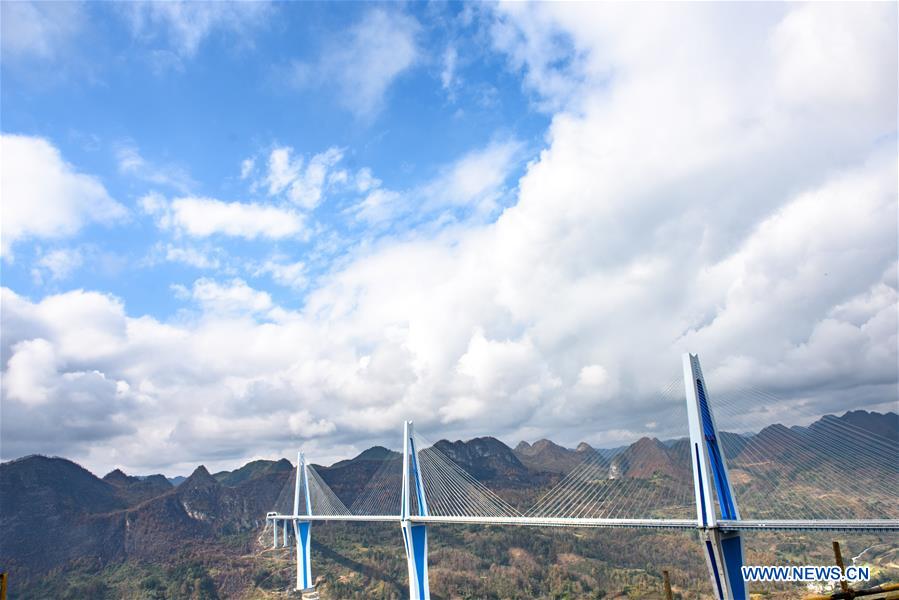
(718, 179)
(44, 197)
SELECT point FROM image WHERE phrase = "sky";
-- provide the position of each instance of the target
(230, 231)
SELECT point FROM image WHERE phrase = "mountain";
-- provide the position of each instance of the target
(647, 458)
(134, 490)
(486, 459)
(544, 455)
(56, 517)
(348, 477)
(251, 470)
(51, 510)
(885, 426)
(82, 517)
(43, 484)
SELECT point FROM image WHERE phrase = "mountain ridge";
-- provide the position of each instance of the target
(120, 517)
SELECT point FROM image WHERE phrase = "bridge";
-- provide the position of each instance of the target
(428, 488)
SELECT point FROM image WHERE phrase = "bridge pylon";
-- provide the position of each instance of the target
(415, 536)
(723, 549)
(302, 530)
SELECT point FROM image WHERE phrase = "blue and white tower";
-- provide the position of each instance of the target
(415, 536)
(302, 530)
(723, 549)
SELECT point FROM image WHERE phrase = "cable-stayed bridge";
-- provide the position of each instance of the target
(772, 471)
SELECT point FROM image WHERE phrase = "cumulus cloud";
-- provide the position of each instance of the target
(685, 201)
(826, 56)
(204, 217)
(44, 197)
(48, 393)
(364, 61)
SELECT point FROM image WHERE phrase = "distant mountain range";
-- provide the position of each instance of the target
(54, 513)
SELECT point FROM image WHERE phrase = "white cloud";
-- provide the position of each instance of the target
(44, 197)
(235, 297)
(593, 376)
(194, 257)
(365, 181)
(536, 44)
(204, 217)
(246, 167)
(38, 30)
(282, 170)
(31, 364)
(131, 163)
(448, 76)
(303, 185)
(687, 203)
(288, 274)
(363, 62)
(307, 190)
(475, 181)
(827, 55)
(186, 25)
(59, 264)
(379, 206)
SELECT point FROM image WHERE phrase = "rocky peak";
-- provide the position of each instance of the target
(283, 465)
(200, 478)
(377, 453)
(545, 445)
(548, 457)
(158, 479)
(118, 477)
(883, 425)
(644, 459)
(485, 458)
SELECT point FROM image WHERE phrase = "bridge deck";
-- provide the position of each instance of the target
(812, 525)
(742, 525)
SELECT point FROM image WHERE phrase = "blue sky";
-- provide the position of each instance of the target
(192, 115)
(230, 230)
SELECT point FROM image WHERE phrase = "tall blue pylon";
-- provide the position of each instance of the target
(302, 530)
(723, 549)
(415, 536)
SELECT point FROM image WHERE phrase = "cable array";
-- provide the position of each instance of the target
(450, 491)
(831, 469)
(649, 479)
(284, 502)
(381, 494)
(323, 499)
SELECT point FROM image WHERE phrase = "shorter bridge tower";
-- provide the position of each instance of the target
(723, 549)
(415, 535)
